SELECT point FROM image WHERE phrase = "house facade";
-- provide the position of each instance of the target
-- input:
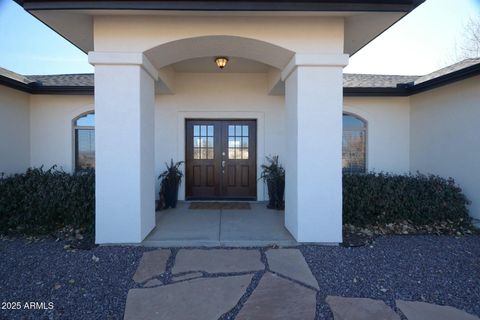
(158, 94)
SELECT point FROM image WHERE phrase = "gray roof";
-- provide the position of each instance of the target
(349, 80)
(373, 81)
(75, 80)
(452, 68)
(14, 76)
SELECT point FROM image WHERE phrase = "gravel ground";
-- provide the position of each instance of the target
(79, 287)
(436, 269)
(443, 270)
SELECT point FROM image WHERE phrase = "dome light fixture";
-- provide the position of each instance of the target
(221, 62)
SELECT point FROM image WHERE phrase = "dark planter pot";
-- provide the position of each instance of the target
(170, 189)
(276, 192)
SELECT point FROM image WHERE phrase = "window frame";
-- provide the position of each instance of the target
(365, 130)
(74, 136)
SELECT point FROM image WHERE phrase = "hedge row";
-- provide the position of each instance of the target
(377, 198)
(40, 201)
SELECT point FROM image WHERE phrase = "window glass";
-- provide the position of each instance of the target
(84, 136)
(350, 121)
(203, 142)
(238, 142)
(87, 120)
(354, 144)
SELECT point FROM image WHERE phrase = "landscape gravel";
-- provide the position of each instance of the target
(444, 270)
(93, 284)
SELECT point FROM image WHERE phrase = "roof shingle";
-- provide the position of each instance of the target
(350, 81)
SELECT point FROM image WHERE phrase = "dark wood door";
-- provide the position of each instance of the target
(221, 159)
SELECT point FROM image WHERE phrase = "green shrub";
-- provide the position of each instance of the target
(41, 201)
(384, 198)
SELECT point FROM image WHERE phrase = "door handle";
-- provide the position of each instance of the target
(223, 164)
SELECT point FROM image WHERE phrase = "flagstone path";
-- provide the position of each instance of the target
(250, 284)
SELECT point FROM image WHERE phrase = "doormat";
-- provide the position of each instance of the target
(219, 206)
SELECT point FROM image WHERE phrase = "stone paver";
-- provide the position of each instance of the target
(217, 261)
(152, 283)
(360, 309)
(291, 263)
(414, 310)
(187, 276)
(205, 298)
(280, 299)
(152, 264)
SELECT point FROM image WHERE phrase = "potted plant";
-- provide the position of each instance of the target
(170, 182)
(274, 176)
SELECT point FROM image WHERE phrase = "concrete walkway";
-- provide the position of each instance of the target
(182, 227)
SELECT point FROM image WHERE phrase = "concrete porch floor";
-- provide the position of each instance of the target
(182, 227)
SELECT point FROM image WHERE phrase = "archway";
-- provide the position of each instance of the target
(218, 45)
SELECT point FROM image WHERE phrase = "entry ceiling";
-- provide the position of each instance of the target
(207, 65)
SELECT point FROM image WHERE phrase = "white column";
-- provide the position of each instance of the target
(124, 146)
(314, 99)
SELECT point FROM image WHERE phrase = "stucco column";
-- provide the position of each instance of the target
(313, 195)
(124, 146)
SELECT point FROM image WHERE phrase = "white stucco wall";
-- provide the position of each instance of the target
(139, 33)
(223, 96)
(388, 123)
(14, 130)
(445, 136)
(51, 139)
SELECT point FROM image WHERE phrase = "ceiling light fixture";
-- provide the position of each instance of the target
(221, 62)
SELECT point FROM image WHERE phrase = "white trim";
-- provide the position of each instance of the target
(259, 116)
(314, 60)
(123, 58)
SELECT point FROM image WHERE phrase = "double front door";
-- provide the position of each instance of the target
(221, 159)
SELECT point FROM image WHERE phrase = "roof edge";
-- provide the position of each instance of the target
(213, 5)
(402, 90)
(34, 88)
(445, 79)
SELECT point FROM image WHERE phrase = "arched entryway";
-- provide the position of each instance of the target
(125, 97)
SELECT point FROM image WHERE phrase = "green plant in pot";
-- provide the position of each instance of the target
(170, 182)
(273, 174)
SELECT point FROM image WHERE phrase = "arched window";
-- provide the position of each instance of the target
(84, 137)
(354, 144)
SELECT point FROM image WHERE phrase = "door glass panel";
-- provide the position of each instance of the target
(196, 153)
(238, 142)
(238, 154)
(231, 153)
(209, 153)
(245, 143)
(203, 142)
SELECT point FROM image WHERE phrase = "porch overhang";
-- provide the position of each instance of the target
(364, 20)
